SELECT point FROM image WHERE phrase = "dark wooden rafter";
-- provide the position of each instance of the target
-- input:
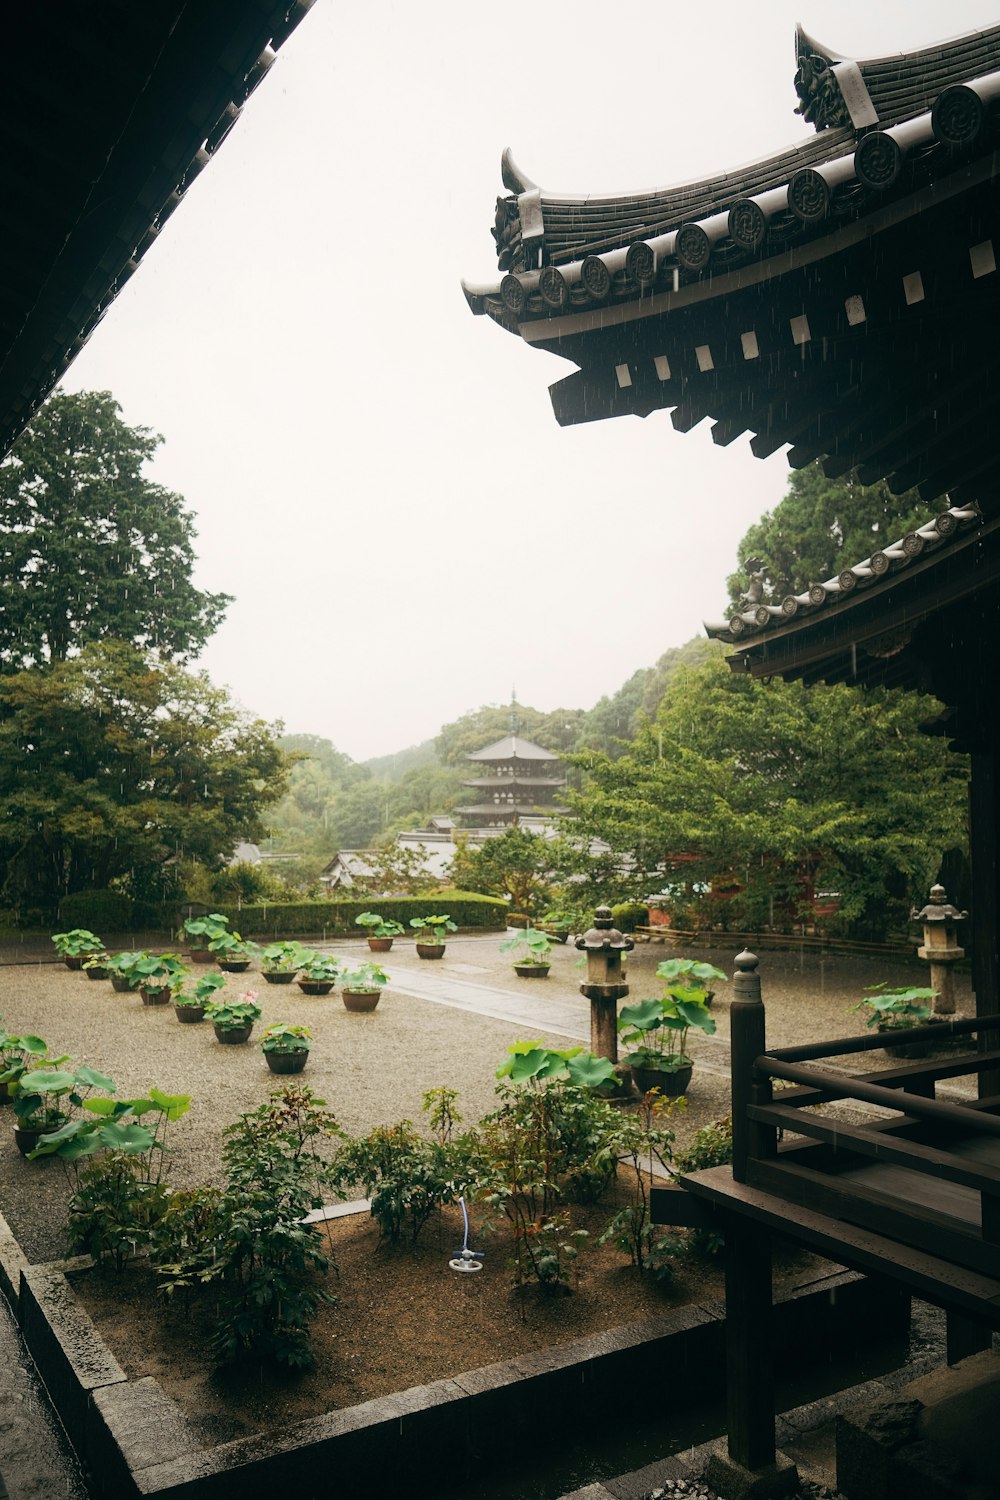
(106, 121)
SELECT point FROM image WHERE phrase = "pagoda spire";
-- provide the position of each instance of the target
(514, 721)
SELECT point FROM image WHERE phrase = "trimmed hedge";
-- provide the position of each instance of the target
(98, 911)
(336, 918)
(629, 915)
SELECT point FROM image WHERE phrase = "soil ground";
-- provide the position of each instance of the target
(419, 1321)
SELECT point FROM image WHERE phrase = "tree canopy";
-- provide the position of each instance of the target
(820, 527)
(114, 767)
(92, 549)
(767, 793)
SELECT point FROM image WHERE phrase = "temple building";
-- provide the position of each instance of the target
(514, 781)
(839, 299)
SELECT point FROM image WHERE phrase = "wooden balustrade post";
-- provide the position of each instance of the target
(746, 1043)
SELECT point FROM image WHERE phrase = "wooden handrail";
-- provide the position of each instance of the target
(843, 1086)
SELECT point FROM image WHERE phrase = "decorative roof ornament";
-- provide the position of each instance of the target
(820, 101)
(754, 569)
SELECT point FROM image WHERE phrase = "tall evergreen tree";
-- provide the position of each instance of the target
(91, 548)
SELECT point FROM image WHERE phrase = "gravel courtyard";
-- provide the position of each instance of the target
(374, 1068)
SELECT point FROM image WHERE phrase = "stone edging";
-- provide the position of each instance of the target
(135, 1441)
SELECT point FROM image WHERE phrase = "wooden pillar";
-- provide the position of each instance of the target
(984, 850)
(749, 1345)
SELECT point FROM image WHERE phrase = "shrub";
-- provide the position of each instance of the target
(405, 1176)
(101, 911)
(628, 915)
(252, 1238)
(289, 919)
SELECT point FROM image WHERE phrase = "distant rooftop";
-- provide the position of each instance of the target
(512, 747)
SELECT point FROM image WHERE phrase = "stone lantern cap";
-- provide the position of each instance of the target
(938, 909)
(604, 935)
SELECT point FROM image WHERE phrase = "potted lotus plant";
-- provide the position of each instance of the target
(233, 953)
(656, 1033)
(234, 1019)
(73, 947)
(17, 1055)
(691, 977)
(286, 1048)
(95, 966)
(318, 974)
(361, 988)
(157, 975)
(432, 941)
(46, 1097)
(200, 931)
(280, 962)
(895, 1012)
(532, 952)
(380, 931)
(190, 1006)
(120, 966)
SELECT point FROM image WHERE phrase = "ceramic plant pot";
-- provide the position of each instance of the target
(201, 955)
(27, 1137)
(120, 984)
(361, 1000)
(278, 976)
(232, 1036)
(234, 965)
(430, 950)
(380, 945)
(315, 986)
(159, 996)
(97, 973)
(532, 971)
(189, 1014)
(671, 1084)
(287, 1062)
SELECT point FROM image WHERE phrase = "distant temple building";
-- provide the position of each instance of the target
(516, 781)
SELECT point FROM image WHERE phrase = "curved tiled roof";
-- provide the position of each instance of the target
(747, 627)
(512, 747)
(898, 123)
(905, 84)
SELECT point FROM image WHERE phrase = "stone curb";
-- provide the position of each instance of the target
(135, 1441)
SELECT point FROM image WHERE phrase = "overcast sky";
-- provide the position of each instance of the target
(376, 474)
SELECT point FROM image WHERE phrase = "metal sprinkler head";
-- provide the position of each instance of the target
(464, 1261)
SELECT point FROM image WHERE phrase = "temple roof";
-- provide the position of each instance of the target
(838, 298)
(109, 112)
(945, 531)
(512, 747)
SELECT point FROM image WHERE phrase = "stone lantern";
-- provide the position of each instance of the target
(605, 984)
(940, 948)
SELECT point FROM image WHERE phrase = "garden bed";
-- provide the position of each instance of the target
(636, 1391)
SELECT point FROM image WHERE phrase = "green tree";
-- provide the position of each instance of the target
(515, 864)
(615, 720)
(821, 527)
(93, 550)
(113, 766)
(768, 793)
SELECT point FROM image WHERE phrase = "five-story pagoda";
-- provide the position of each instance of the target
(514, 779)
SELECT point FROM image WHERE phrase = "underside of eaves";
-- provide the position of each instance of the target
(838, 299)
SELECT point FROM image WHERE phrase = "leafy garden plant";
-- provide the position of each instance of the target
(656, 1031)
(202, 930)
(234, 1015)
(158, 971)
(366, 979)
(285, 1039)
(897, 1009)
(643, 1137)
(433, 930)
(530, 948)
(378, 926)
(77, 944)
(283, 958)
(252, 1240)
(320, 968)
